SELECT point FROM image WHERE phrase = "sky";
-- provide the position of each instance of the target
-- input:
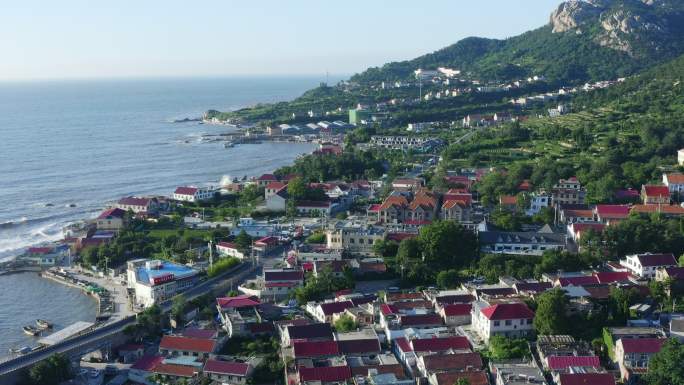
(132, 38)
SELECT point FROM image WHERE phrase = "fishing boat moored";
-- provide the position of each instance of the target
(43, 324)
(31, 331)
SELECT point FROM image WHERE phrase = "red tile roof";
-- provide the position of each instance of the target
(39, 250)
(564, 362)
(642, 345)
(147, 363)
(675, 178)
(612, 211)
(364, 346)
(455, 298)
(312, 331)
(387, 309)
(533, 287)
(134, 201)
(112, 213)
(275, 186)
(651, 260)
(330, 308)
(507, 311)
(224, 367)
(440, 344)
(175, 370)
(613, 276)
(420, 319)
(237, 302)
(186, 190)
(663, 209)
(187, 344)
(508, 200)
(457, 309)
(458, 361)
(374, 208)
(400, 296)
(587, 379)
(315, 348)
(581, 227)
(267, 177)
(267, 241)
(403, 344)
(325, 374)
(285, 275)
(228, 245)
(656, 191)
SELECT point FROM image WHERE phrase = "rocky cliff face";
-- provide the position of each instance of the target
(617, 24)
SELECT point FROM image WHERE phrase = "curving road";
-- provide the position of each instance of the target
(101, 333)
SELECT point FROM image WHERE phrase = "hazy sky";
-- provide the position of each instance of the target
(86, 38)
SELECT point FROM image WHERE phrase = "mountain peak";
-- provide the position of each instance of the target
(630, 26)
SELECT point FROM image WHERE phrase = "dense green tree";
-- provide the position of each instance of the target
(345, 324)
(551, 314)
(665, 367)
(502, 348)
(51, 371)
(447, 244)
(448, 279)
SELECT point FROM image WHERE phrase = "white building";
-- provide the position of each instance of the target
(675, 183)
(646, 265)
(193, 194)
(513, 320)
(229, 249)
(155, 281)
(680, 157)
(537, 203)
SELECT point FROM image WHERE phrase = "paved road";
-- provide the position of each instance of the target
(101, 333)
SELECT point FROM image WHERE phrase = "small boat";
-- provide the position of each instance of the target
(21, 350)
(31, 331)
(228, 145)
(43, 324)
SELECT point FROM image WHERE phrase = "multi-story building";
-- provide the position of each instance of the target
(193, 194)
(675, 183)
(634, 354)
(353, 237)
(568, 191)
(513, 320)
(646, 265)
(155, 281)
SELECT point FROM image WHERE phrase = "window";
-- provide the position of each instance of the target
(496, 323)
(509, 322)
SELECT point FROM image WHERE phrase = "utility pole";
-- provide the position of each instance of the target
(211, 253)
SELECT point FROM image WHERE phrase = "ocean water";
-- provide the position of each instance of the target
(27, 297)
(86, 143)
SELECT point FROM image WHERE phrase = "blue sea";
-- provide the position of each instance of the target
(86, 143)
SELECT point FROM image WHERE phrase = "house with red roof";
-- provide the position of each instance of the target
(634, 354)
(138, 204)
(174, 372)
(227, 372)
(473, 377)
(562, 364)
(176, 345)
(646, 265)
(420, 321)
(324, 375)
(608, 277)
(111, 219)
(440, 344)
(456, 314)
(513, 320)
(655, 195)
(315, 349)
(265, 245)
(454, 362)
(272, 188)
(306, 332)
(193, 194)
(142, 369)
(325, 311)
(675, 183)
(531, 289)
(586, 379)
(265, 179)
(676, 274)
(611, 214)
(455, 210)
(315, 208)
(575, 230)
(274, 284)
(579, 280)
(508, 202)
(238, 313)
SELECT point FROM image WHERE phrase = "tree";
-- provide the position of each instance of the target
(448, 279)
(345, 324)
(550, 317)
(243, 241)
(296, 189)
(447, 244)
(502, 348)
(51, 371)
(681, 260)
(408, 251)
(462, 381)
(178, 308)
(665, 367)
